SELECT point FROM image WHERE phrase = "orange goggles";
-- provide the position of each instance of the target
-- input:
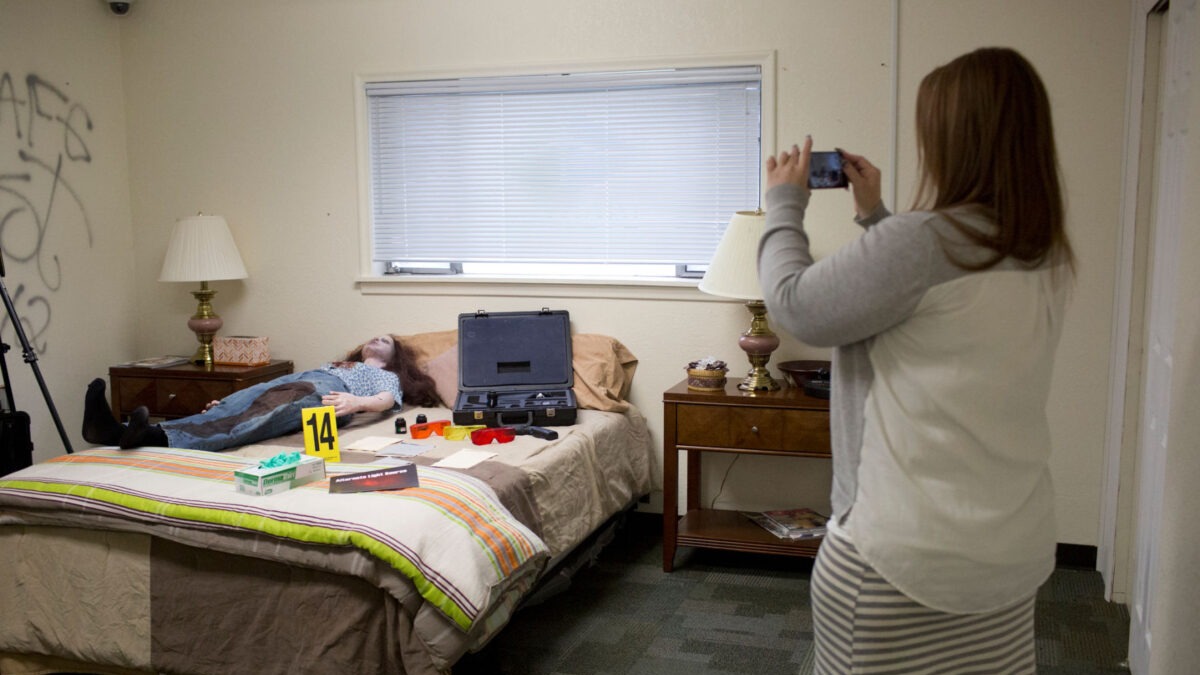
(457, 433)
(423, 429)
(499, 434)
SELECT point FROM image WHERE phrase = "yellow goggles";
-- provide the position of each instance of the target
(457, 433)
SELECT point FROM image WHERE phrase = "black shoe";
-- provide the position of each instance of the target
(100, 426)
(142, 434)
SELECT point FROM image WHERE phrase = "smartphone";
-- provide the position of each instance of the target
(825, 171)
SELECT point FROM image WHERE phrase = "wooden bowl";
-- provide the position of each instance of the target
(799, 372)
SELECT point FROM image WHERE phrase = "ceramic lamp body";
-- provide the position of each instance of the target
(758, 345)
(204, 323)
(205, 329)
(209, 325)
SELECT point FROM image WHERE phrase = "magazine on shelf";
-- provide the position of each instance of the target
(158, 362)
(798, 523)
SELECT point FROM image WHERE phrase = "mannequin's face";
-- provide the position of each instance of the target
(382, 348)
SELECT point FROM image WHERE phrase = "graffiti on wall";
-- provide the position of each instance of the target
(43, 146)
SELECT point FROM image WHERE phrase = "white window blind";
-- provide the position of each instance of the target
(612, 168)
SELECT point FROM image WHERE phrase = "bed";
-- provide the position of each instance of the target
(148, 560)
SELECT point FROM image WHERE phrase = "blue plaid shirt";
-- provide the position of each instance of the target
(364, 380)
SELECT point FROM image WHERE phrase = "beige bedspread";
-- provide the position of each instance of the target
(596, 467)
(101, 597)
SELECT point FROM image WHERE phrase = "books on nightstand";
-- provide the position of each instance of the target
(790, 523)
(157, 362)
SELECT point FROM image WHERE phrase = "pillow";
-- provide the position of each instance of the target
(429, 345)
(443, 368)
(603, 369)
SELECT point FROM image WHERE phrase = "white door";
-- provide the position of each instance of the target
(1179, 20)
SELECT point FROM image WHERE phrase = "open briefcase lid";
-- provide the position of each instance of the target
(513, 351)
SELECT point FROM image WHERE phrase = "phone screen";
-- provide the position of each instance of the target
(825, 171)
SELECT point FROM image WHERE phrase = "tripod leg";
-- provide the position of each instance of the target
(62, 433)
(31, 358)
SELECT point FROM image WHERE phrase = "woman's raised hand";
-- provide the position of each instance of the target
(790, 166)
(865, 182)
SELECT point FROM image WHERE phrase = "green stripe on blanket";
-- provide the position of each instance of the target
(450, 537)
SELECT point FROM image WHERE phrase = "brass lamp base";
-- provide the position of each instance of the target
(204, 323)
(758, 342)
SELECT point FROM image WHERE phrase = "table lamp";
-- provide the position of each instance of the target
(733, 273)
(202, 249)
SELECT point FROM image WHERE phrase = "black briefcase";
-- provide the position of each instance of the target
(514, 368)
(16, 444)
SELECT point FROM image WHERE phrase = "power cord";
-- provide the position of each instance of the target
(721, 489)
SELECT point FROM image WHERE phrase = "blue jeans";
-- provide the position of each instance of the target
(256, 413)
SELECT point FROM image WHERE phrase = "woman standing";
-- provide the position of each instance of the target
(944, 321)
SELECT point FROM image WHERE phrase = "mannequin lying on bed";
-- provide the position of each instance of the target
(371, 378)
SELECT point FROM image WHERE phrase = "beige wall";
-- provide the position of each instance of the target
(68, 242)
(247, 109)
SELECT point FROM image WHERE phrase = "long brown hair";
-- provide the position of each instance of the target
(985, 139)
(416, 386)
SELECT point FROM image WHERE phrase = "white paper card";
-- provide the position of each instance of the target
(372, 443)
(387, 460)
(464, 459)
(405, 449)
(342, 467)
(390, 445)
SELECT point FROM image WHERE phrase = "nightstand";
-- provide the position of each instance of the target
(781, 423)
(179, 391)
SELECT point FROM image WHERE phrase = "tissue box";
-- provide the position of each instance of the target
(241, 350)
(257, 480)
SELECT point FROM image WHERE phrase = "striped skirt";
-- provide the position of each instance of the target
(865, 625)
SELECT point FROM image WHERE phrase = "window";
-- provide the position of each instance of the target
(624, 173)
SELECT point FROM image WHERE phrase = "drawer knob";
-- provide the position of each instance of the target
(170, 397)
(754, 430)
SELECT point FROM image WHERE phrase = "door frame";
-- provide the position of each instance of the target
(1114, 549)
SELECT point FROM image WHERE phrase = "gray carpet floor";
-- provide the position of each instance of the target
(721, 613)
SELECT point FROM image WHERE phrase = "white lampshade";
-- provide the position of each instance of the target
(202, 249)
(733, 271)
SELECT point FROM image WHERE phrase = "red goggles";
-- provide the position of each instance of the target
(423, 429)
(498, 434)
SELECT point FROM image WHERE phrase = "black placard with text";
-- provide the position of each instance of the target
(385, 478)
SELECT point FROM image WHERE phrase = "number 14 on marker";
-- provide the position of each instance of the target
(320, 433)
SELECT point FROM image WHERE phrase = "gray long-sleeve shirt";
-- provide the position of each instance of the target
(941, 376)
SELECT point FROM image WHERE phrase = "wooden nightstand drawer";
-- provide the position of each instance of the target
(183, 390)
(171, 397)
(806, 432)
(133, 392)
(801, 431)
(188, 397)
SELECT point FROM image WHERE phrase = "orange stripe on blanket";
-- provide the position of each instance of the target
(486, 530)
(219, 470)
(508, 545)
(501, 537)
(468, 497)
(496, 533)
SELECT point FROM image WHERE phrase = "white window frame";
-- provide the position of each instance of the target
(372, 278)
